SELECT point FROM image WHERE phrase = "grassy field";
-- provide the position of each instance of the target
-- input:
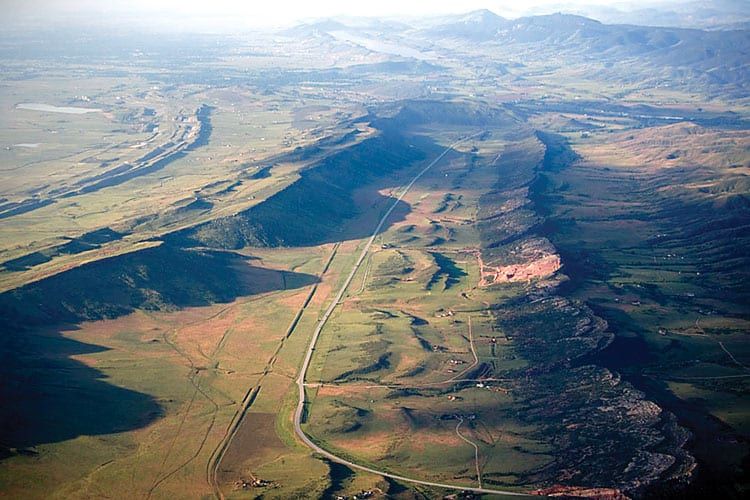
(422, 356)
(180, 364)
(388, 362)
(194, 364)
(243, 134)
(165, 259)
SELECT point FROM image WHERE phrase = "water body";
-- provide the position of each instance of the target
(384, 47)
(48, 108)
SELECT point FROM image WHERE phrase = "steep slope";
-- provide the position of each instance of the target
(604, 432)
(316, 208)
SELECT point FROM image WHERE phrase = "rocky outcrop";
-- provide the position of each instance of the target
(608, 441)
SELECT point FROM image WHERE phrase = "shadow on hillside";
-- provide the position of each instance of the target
(320, 207)
(316, 207)
(47, 396)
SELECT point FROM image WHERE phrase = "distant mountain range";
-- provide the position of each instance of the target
(703, 14)
(721, 55)
(718, 57)
(714, 14)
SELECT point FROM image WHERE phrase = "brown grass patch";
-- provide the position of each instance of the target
(255, 443)
(295, 300)
(371, 445)
(680, 144)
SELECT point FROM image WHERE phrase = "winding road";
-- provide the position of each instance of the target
(476, 450)
(300, 409)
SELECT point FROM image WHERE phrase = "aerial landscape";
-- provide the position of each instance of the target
(400, 250)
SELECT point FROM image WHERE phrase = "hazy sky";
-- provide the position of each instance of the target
(272, 12)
